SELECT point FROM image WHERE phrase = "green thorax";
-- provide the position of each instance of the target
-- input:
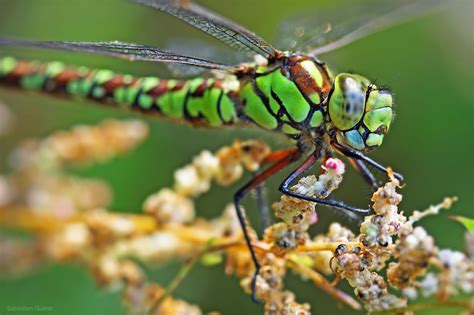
(287, 96)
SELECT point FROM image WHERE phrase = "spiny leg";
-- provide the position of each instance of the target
(364, 171)
(361, 157)
(308, 163)
(280, 160)
(261, 198)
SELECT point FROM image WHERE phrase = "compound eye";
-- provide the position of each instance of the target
(347, 102)
(354, 97)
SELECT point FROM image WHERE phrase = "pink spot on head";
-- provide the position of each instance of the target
(335, 164)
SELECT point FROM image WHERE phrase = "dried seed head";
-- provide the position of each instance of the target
(232, 160)
(169, 207)
(85, 144)
(102, 240)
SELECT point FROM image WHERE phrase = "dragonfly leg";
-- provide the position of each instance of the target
(308, 163)
(366, 174)
(361, 157)
(280, 160)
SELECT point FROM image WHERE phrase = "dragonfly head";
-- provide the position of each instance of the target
(359, 113)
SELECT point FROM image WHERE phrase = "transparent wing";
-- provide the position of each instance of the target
(202, 50)
(118, 50)
(226, 31)
(333, 27)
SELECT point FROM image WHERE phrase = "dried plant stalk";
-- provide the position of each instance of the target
(68, 216)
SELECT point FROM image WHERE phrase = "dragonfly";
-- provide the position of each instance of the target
(291, 92)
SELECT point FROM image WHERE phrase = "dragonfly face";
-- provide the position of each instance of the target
(359, 113)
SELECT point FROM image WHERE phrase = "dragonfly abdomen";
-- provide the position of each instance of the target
(199, 101)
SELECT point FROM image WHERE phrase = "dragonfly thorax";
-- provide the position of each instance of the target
(287, 95)
(359, 114)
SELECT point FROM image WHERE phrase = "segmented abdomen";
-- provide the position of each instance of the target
(202, 102)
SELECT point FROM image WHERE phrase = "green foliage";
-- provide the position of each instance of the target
(467, 222)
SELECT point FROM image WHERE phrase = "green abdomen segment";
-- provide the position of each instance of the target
(202, 102)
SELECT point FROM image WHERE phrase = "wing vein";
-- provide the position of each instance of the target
(119, 50)
(224, 30)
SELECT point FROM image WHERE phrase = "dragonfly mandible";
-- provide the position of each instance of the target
(285, 91)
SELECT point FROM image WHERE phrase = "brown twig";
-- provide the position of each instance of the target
(323, 284)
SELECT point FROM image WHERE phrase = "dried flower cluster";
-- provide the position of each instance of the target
(388, 262)
(39, 180)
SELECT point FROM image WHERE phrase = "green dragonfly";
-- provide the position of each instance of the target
(286, 91)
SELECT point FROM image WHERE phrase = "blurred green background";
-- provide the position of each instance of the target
(428, 63)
